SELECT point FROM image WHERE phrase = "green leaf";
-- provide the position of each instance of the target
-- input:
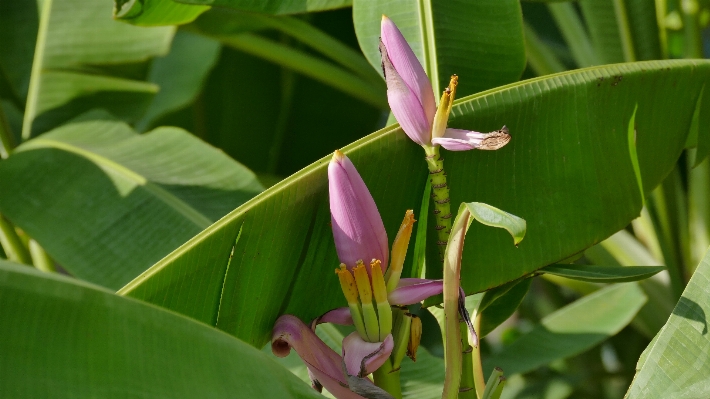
(623, 249)
(76, 38)
(609, 29)
(540, 58)
(221, 23)
(308, 65)
(156, 12)
(494, 217)
(498, 311)
(570, 330)
(642, 20)
(118, 347)
(109, 203)
(603, 274)
(576, 37)
(276, 6)
(673, 365)
(18, 32)
(568, 160)
(180, 75)
(68, 94)
(481, 41)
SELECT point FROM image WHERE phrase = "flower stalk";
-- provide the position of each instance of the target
(440, 197)
(467, 387)
(387, 378)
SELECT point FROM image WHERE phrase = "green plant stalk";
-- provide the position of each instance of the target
(622, 21)
(665, 212)
(492, 384)
(388, 379)
(499, 389)
(452, 276)
(40, 259)
(477, 366)
(661, 21)
(440, 196)
(37, 66)
(691, 28)
(467, 387)
(12, 244)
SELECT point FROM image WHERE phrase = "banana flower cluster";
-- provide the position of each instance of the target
(371, 288)
(411, 99)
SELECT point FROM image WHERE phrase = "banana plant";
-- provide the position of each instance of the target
(166, 219)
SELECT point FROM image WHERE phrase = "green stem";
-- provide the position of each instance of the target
(478, 379)
(492, 384)
(11, 243)
(467, 387)
(440, 195)
(40, 258)
(452, 333)
(388, 379)
(622, 20)
(691, 28)
(35, 77)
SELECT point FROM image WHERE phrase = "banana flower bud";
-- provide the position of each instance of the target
(411, 98)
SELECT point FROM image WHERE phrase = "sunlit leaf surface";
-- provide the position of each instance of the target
(675, 364)
(109, 202)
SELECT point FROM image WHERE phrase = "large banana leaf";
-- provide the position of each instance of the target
(567, 171)
(180, 75)
(481, 41)
(675, 364)
(108, 203)
(62, 338)
(77, 44)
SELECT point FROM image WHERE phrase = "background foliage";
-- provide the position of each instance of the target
(135, 148)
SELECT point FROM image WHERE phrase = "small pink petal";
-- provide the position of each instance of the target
(464, 140)
(340, 316)
(408, 67)
(322, 362)
(413, 290)
(404, 103)
(459, 140)
(355, 349)
(357, 227)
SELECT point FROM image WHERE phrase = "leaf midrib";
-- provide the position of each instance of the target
(158, 192)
